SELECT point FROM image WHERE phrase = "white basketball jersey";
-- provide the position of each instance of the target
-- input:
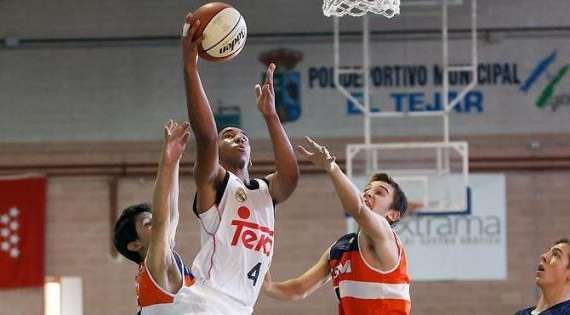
(237, 244)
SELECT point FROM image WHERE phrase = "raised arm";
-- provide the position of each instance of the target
(164, 203)
(173, 202)
(302, 286)
(375, 226)
(207, 170)
(284, 180)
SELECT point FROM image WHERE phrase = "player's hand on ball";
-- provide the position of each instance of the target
(317, 154)
(189, 42)
(265, 94)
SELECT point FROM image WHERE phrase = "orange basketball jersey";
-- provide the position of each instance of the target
(153, 299)
(364, 290)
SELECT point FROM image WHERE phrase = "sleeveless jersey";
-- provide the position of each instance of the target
(561, 308)
(153, 299)
(363, 290)
(236, 247)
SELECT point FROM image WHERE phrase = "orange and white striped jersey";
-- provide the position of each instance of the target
(364, 290)
(153, 299)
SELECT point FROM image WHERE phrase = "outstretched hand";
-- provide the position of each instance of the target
(175, 138)
(317, 154)
(265, 94)
(267, 283)
(190, 42)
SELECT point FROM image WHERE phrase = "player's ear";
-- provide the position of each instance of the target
(135, 246)
(393, 215)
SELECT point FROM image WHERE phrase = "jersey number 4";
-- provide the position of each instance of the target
(253, 274)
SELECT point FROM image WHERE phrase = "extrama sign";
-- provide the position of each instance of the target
(452, 229)
(461, 247)
(418, 87)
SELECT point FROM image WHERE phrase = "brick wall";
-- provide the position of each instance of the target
(78, 228)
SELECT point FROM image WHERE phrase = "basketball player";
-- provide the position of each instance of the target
(553, 279)
(146, 236)
(236, 211)
(368, 268)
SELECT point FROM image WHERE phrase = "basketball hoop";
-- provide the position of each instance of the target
(387, 8)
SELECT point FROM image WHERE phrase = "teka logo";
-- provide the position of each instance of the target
(252, 235)
(547, 98)
(341, 269)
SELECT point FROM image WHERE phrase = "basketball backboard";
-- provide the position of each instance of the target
(434, 175)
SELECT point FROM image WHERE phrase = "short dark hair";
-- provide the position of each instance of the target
(125, 231)
(399, 201)
(567, 242)
(223, 128)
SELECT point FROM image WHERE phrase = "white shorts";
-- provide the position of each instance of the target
(201, 300)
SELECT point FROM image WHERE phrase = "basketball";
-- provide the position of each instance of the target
(224, 31)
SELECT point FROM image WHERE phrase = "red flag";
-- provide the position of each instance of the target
(22, 231)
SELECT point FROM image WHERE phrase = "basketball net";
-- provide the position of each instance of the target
(387, 8)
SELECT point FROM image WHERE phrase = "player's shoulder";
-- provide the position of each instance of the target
(562, 308)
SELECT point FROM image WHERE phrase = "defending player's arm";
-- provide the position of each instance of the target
(165, 211)
(207, 170)
(173, 202)
(284, 180)
(375, 226)
(302, 286)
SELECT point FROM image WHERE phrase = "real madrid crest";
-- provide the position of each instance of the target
(241, 196)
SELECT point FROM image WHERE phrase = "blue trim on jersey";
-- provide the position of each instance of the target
(182, 266)
(347, 243)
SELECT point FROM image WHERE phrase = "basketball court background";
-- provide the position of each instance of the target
(86, 86)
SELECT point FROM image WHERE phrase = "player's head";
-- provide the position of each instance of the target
(234, 148)
(132, 232)
(554, 267)
(384, 196)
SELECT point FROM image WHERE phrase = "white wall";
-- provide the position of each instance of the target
(117, 92)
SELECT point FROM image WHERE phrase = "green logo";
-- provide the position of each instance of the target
(547, 95)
